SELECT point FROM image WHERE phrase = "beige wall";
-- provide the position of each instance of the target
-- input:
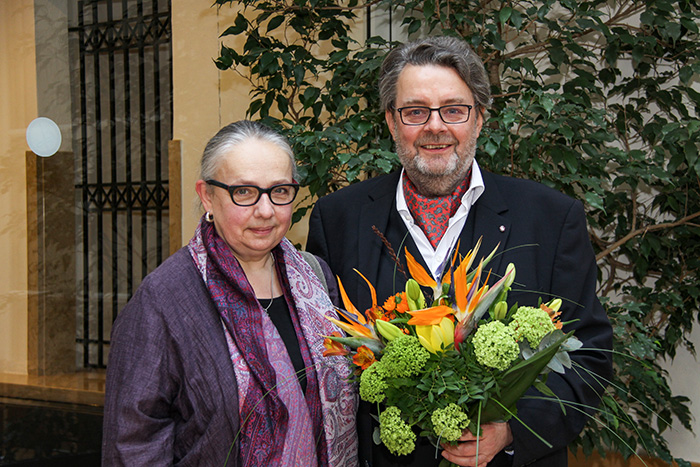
(683, 372)
(204, 98)
(18, 107)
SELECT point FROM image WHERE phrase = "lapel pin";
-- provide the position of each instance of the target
(502, 228)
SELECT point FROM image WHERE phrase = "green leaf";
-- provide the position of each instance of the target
(637, 54)
(515, 381)
(505, 14)
(672, 30)
(686, 74)
(239, 26)
(414, 26)
(275, 23)
(594, 200)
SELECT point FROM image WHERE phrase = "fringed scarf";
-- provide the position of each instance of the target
(265, 423)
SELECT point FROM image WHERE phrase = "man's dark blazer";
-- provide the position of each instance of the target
(542, 232)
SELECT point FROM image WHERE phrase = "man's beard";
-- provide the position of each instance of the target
(431, 181)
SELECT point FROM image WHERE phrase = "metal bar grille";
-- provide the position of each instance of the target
(125, 114)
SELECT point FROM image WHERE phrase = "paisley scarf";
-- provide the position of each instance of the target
(274, 414)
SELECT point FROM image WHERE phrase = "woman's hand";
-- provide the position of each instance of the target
(494, 438)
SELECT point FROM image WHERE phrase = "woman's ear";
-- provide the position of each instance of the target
(202, 190)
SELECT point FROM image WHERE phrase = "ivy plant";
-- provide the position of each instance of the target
(597, 99)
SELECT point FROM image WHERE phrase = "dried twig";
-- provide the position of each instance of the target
(392, 253)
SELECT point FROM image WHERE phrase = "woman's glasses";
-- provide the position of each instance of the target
(248, 195)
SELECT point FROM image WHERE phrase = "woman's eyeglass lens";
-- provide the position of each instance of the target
(248, 195)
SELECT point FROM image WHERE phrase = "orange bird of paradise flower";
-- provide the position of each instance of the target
(429, 316)
(426, 280)
(468, 295)
(358, 325)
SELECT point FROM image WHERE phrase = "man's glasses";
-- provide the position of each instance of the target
(248, 195)
(450, 114)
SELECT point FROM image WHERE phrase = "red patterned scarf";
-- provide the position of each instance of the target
(433, 215)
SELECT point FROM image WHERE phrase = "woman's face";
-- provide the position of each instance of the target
(250, 231)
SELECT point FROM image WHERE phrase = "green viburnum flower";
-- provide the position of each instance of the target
(404, 357)
(450, 422)
(372, 383)
(396, 435)
(532, 324)
(495, 346)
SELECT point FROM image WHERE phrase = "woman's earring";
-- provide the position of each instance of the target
(209, 217)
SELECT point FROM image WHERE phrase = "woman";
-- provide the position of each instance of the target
(217, 359)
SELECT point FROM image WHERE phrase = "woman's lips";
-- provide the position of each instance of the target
(262, 230)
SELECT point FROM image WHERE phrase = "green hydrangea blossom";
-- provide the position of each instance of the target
(372, 383)
(450, 422)
(495, 345)
(532, 324)
(396, 435)
(404, 357)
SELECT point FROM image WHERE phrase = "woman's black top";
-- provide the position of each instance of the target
(279, 314)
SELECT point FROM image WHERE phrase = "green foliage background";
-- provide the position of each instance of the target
(597, 99)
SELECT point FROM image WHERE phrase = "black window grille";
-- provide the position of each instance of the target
(122, 123)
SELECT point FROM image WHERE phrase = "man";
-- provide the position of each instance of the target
(434, 93)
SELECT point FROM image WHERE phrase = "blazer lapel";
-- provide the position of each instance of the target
(487, 220)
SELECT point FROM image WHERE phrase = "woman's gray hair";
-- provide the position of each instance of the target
(444, 51)
(236, 133)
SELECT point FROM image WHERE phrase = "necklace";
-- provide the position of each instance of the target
(272, 278)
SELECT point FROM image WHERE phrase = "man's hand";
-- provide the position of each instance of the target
(494, 438)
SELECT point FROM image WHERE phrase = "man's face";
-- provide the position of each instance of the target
(436, 155)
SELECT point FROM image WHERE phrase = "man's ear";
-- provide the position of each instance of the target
(202, 190)
(391, 123)
(479, 120)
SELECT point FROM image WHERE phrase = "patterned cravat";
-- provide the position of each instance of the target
(433, 215)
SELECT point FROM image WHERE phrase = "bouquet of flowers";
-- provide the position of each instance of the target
(461, 362)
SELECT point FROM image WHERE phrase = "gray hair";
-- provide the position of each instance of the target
(444, 51)
(236, 133)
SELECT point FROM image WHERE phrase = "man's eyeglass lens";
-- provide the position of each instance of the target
(248, 195)
(418, 115)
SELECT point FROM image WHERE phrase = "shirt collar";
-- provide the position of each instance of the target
(476, 188)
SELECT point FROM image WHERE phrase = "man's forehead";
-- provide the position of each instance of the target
(431, 85)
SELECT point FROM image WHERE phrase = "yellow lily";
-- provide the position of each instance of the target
(438, 336)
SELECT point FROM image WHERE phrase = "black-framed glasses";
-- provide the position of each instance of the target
(450, 114)
(248, 195)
